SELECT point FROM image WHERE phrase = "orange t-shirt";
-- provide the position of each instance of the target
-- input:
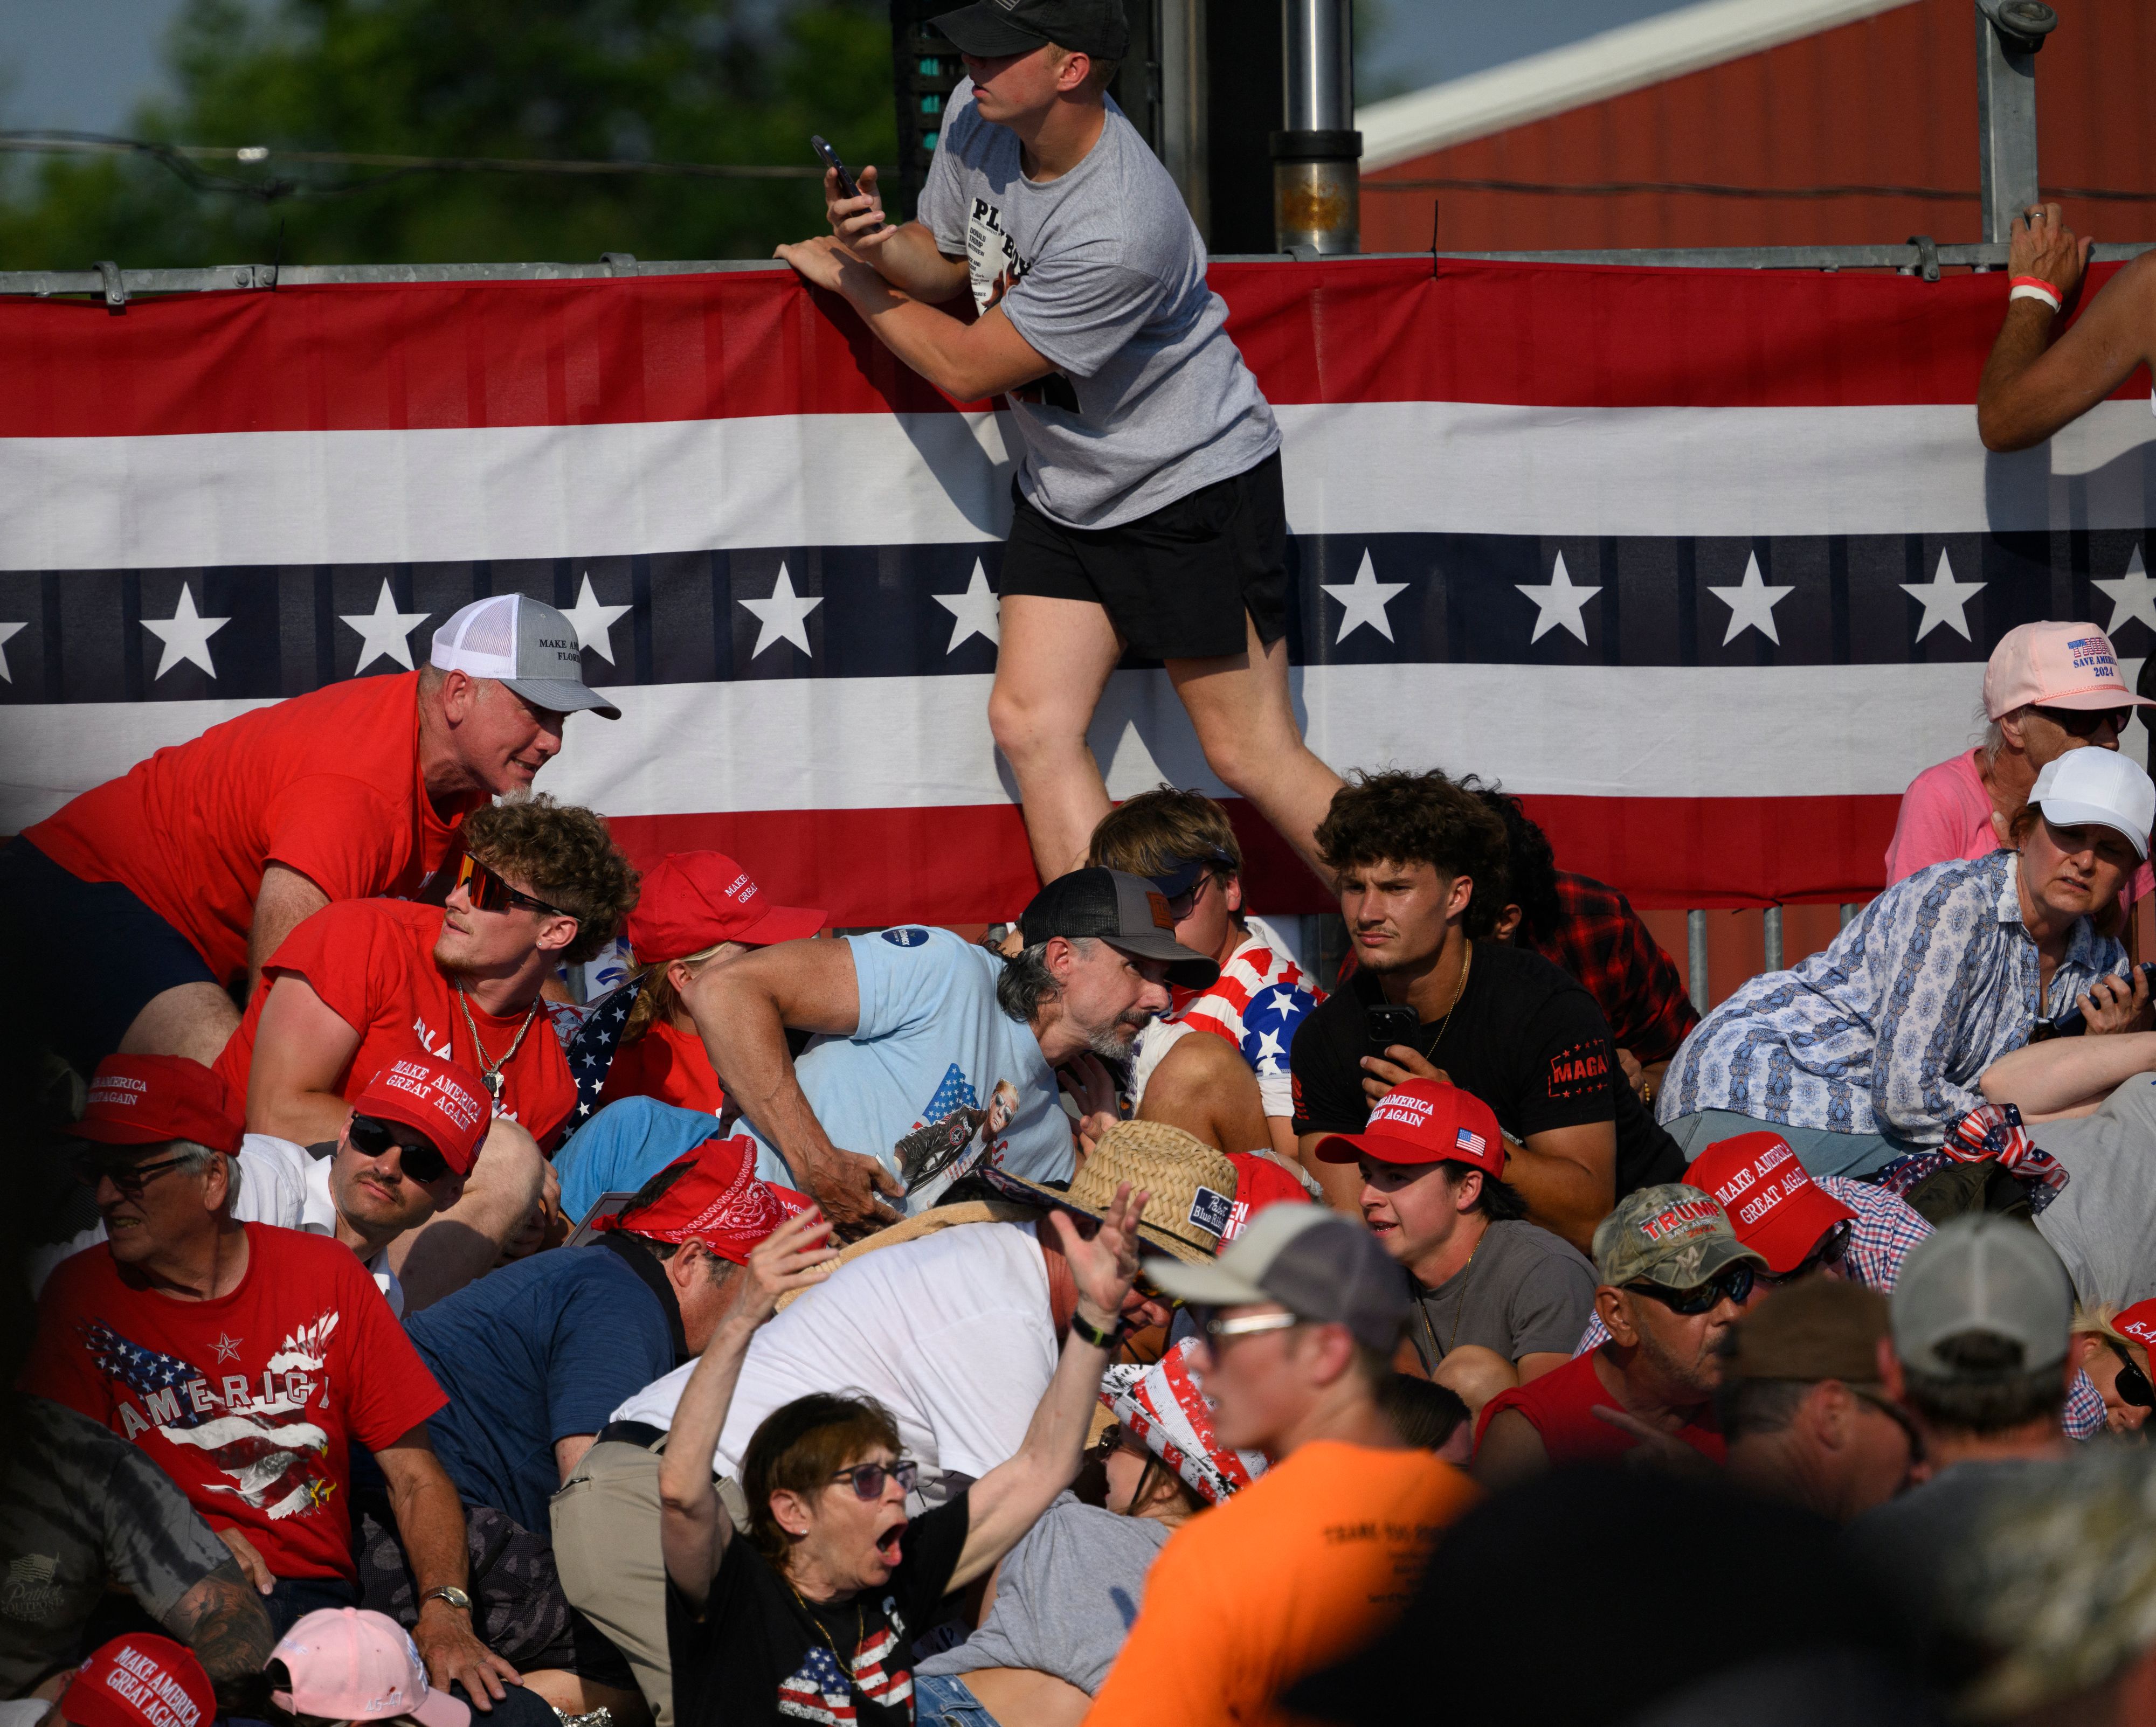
(667, 1065)
(327, 784)
(371, 961)
(1299, 1570)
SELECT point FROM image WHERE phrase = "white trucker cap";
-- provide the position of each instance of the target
(2100, 787)
(1988, 1272)
(525, 643)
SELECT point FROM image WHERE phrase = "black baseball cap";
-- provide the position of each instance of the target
(1125, 911)
(989, 29)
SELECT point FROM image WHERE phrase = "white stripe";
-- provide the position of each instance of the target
(880, 743)
(284, 498)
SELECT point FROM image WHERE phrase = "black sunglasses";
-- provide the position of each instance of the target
(868, 1478)
(422, 1162)
(1900, 1416)
(2087, 722)
(488, 892)
(1734, 1284)
(130, 1178)
(2133, 1386)
(1833, 1246)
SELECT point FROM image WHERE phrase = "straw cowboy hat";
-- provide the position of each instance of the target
(1193, 1187)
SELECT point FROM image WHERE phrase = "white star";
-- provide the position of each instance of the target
(1269, 1044)
(8, 631)
(1283, 999)
(973, 612)
(226, 1346)
(2133, 595)
(186, 634)
(1946, 601)
(1558, 604)
(1363, 601)
(1752, 604)
(782, 618)
(382, 631)
(595, 621)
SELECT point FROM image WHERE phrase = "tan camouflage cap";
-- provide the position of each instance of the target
(1672, 1235)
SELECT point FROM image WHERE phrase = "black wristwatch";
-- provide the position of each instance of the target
(1085, 1331)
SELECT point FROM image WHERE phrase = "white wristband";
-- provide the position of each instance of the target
(2036, 290)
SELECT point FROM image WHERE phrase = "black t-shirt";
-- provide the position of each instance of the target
(759, 1654)
(1525, 1039)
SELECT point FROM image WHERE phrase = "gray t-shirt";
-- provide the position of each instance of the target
(2102, 1220)
(79, 1504)
(1066, 1597)
(1102, 271)
(1525, 1292)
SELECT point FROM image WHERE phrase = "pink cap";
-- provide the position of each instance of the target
(353, 1665)
(2056, 665)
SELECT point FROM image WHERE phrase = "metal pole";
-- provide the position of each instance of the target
(2008, 33)
(1771, 938)
(1696, 958)
(1316, 183)
(1182, 107)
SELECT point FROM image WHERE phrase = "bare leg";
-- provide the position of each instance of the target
(1244, 718)
(1205, 1087)
(455, 1246)
(1051, 666)
(192, 1019)
(572, 1694)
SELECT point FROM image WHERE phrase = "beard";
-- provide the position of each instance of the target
(1113, 1042)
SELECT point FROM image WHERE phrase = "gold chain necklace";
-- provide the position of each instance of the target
(490, 1072)
(1460, 989)
(860, 1629)
(1459, 1312)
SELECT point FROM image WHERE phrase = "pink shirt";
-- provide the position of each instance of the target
(1946, 813)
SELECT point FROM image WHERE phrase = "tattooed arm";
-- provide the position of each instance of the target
(222, 1620)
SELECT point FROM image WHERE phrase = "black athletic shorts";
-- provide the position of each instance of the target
(88, 955)
(1175, 582)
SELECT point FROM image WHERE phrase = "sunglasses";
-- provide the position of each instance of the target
(488, 892)
(129, 1179)
(1734, 1284)
(1900, 1416)
(422, 1162)
(2133, 1386)
(2087, 722)
(868, 1478)
(1832, 1246)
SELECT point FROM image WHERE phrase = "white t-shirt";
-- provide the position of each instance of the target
(280, 1184)
(951, 1333)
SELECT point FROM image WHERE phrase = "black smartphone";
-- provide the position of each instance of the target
(1391, 1023)
(847, 186)
(2070, 1024)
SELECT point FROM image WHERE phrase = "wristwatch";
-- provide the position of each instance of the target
(449, 1592)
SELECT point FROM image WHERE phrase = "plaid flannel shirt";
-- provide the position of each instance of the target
(1603, 943)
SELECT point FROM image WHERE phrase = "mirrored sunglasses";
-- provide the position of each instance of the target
(488, 892)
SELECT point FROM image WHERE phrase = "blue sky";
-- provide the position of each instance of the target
(83, 63)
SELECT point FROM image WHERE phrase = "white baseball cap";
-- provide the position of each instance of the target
(1987, 1272)
(2101, 787)
(525, 643)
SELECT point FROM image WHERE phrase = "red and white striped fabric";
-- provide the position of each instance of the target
(1705, 564)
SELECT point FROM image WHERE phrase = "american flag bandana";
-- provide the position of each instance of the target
(590, 1042)
(1988, 1132)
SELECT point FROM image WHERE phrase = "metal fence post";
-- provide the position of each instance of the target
(2008, 33)
(1316, 180)
(1772, 938)
(1696, 958)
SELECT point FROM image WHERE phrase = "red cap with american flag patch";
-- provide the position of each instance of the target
(1425, 1121)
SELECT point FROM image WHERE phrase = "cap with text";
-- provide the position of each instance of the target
(1194, 1186)
(147, 1099)
(351, 1665)
(1823, 1328)
(710, 1195)
(1673, 1236)
(2138, 1322)
(525, 643)
(1773, 1206)
(2099, 788)
(139, 1680)
(1317, 1263)
(1425, 1121)
(1987, 1273)
(989, 29)
(441, 1100)
(1125, 911)
(691, 902)
(2056, 665)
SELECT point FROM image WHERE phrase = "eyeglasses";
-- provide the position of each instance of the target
(1734, 1284)
(2087, 722)
(422, 1162)
(1250, 1325)
(1181, 905)
(488, 892)
(1832, 1246)
(2133, 1386)
(868, 1478)
(90, 1170)
(1900, 1416)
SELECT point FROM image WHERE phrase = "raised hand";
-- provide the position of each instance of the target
(1106, 1266)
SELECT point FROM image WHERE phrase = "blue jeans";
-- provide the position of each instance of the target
(943, 1698)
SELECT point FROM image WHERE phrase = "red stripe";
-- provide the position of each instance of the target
(969, 864)
(445, 354)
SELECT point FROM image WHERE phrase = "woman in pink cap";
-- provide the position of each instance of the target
(2049, 688)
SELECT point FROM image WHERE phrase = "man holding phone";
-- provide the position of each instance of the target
(1149, 516)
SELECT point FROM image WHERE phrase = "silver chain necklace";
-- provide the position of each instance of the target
(490, 1072)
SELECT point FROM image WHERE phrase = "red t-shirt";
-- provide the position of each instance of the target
(1560, 1407)
(252, 1402)
(372, 963)
(667, 1065)
(327, 784)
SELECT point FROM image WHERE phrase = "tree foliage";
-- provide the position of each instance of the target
(668, 81)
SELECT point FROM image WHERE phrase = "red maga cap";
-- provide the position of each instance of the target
(1261, 1180)
(1776, 1209)
(147, 1099)
(693, 900)
(2139, 1322)
(139, 1681)
(713, 1197)
(441, 1100)
(1425, 1121)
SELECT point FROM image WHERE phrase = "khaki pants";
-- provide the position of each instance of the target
(606, 1550)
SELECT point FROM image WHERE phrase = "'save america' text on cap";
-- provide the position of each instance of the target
(525, 644)
(2054, 665)
(1125, 911)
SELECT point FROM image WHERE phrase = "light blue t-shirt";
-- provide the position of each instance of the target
(926, 1059)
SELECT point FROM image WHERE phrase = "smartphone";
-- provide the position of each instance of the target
(1391, 1023)
(847, 187)
(2070, 1024)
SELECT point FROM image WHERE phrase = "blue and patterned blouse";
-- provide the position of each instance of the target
(1889, 1030)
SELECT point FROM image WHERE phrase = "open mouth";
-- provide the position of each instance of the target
(887, 1544)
